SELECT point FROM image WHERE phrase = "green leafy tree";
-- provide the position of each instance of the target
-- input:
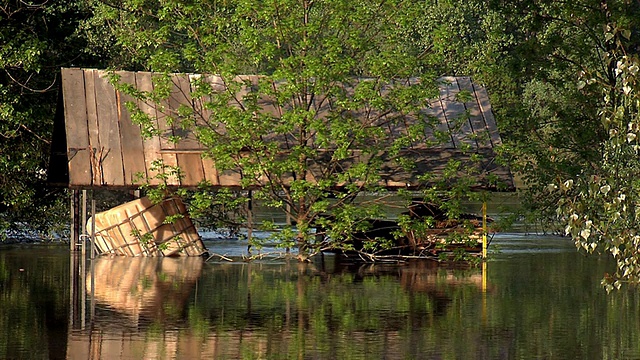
(601, 206)
(565, 95)
(565, 92)
(567, 101)
(529, 54)
(333, 80)
(556, 129)
(35, 40)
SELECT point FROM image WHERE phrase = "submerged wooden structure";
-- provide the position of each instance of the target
(142, 228)
(97, 146)
(443, 239)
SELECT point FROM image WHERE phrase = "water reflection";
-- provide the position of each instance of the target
(539, 299)
(145, 289)
(132, 294)
(184, 308)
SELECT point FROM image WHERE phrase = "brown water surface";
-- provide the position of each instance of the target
(536, 299)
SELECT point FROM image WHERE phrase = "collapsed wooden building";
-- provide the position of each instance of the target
(97, 146)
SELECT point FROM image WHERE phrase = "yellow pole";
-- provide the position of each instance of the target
(484, 230)
(484, 276)
(484, 262)
(484, 292)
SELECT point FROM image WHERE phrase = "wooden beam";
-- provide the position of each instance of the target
(75, 113)
(189, 162)
(109, 156)
(131, 145)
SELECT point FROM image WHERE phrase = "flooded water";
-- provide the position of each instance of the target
(536, 299)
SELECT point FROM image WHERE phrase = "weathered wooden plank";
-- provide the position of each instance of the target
(441, 126)
(75, 112)
(204, 119)
(201, 113)
(230, 178)
(151, 146)
(485, 107)
(95, 148)
(132, 147)
(454, 112)
(476, 120)
(169, 159)
(128, 228)
(110, 161)
(191, 164)
(210, 171)
(107, 124)
(429, 136)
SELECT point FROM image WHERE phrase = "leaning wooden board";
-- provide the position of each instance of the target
(142, 228)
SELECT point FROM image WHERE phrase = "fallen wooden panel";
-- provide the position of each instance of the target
(141, 228)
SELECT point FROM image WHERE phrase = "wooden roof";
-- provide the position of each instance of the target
(96, 144)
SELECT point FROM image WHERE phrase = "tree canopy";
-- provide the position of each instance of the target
(35, 41)
(307, 129)
(562, 78)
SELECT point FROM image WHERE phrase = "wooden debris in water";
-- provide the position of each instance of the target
(142, 228)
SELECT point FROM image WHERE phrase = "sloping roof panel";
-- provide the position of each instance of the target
(104, 148)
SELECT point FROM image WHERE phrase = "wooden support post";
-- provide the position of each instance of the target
(288, 220)
(288, 215)
(83, 230)
(93, 227)
(83, 292)
(74, 236)
(93, 256)
(75, 290)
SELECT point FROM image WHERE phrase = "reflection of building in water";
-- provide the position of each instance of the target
(160, 308)
(149, 289)
(439, 283)
(431, 278)
(426, 277)
(131, 293)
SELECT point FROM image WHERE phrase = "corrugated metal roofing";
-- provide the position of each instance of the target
(96, 144)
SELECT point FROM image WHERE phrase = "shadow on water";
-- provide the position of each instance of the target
(536, 298)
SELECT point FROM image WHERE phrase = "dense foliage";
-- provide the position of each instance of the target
(313, 129)
(601, 206)
(562, 77)
(563, 80)
(530, 55)
(35, 41)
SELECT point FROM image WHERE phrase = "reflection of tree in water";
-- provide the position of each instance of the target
(337, 309)
(33, 302)
(422, 278)
(340, 296)
(439, 283)
(330, 309)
